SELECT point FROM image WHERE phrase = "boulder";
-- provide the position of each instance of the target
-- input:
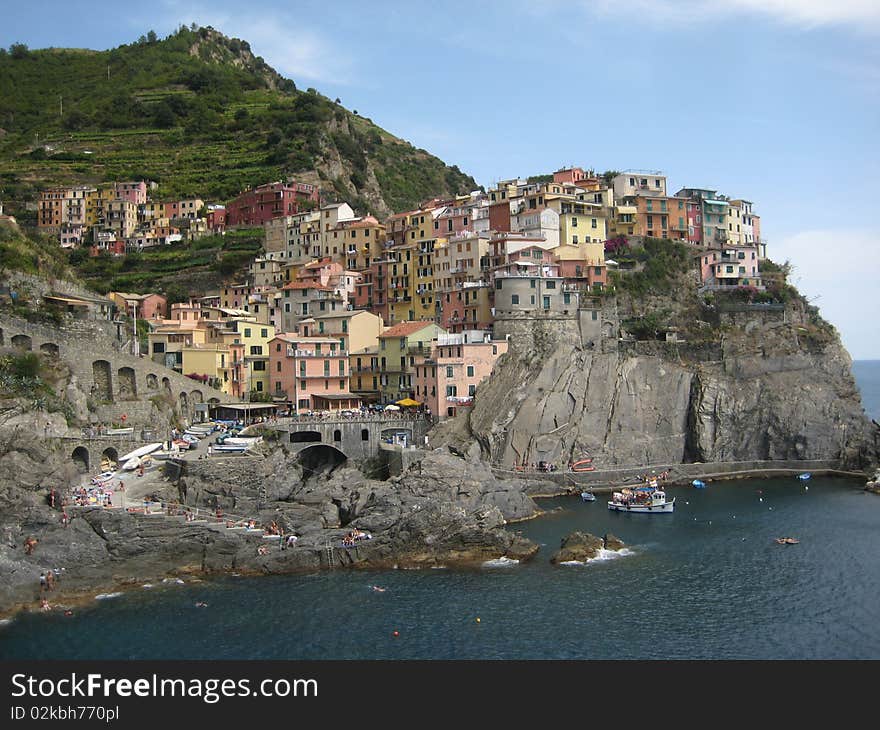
(579, 547)
(612, 542)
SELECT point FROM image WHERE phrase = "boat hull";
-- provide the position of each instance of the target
(643, 508)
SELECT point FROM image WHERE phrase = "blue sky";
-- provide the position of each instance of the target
(775, 101)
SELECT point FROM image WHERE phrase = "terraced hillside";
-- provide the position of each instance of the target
(201, 115)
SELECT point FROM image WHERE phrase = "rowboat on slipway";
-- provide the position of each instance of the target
(648, 499)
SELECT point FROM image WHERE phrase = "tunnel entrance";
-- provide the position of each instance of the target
(302, 437)
(320, 459)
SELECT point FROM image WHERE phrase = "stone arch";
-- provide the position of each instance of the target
(166, 384)
(50, 349)
(110, 457)
(152, 381)
(184, 402)
(126, 382)
(214, 401)
(302, 437)
(196, 396)
(337, 436)
(103, 376)
(607, 329)
(21, 342)
(80, 458)
(320, 458)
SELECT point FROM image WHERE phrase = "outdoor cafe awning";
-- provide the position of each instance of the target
(408, 403)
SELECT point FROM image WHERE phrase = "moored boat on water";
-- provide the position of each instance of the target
(641, 499)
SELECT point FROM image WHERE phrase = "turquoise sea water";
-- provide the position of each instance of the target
(707, 581)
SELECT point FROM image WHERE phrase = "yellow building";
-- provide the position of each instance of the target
(580, 222)
(255, 337)
(400, 348)
(96, 206)
(211, 361)
(624, 221)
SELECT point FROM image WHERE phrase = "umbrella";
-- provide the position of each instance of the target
(392, 408)
(408, 402)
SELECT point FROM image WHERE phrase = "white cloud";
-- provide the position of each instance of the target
(278, 36)
(838, 270)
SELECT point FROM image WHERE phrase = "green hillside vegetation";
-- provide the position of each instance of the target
(179, 271)
(202, 116)
(31, 254)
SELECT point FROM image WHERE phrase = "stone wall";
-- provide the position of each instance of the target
(114, 381)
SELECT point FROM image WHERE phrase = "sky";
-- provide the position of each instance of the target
(774, 101)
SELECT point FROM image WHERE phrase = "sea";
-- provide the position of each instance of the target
(705, 582)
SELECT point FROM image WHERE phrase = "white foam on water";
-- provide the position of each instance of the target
(602, 556)
(502, 562)
(439, 567)
(104, 596)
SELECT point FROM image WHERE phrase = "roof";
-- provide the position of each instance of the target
(404, 329)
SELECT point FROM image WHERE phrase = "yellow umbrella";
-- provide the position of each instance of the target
(408, 403)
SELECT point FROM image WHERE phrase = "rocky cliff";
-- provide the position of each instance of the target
(748, 383)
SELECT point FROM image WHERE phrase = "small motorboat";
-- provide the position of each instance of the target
(787, 541)
(803, 477)
(588, 496)
(697, 484)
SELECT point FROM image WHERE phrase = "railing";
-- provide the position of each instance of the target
(291, 352)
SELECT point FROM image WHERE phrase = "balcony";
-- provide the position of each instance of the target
(291, 352)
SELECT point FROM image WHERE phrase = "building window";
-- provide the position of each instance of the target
(263, 333)
(574, 222)
(550, 284)
(259, 365)
(247, 331)
(470, 371)
(449, 371)
(260, 386)
(514, 299)
(278, 366)
(546, 302)
(451, 390)
(472, 390)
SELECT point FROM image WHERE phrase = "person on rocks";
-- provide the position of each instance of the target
(43, 583)
(44, 604)
(50, 581)
(65, 518)
(29, 544)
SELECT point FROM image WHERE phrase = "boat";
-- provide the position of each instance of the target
(239, 441)
(641, 499)
(698, 484)
(230, 448)
(142, 451)
(803, 477)
(133, 463)
(583, 465)
(588, 496)
(787, 540)
(119, 431)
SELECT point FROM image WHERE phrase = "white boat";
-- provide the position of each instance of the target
(641, 499)
(133, 463)
(588, 496)
(239, 441)
(142, 451)
(231, 448)
(196, 433)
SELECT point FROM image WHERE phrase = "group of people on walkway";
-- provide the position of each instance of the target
(355, 536)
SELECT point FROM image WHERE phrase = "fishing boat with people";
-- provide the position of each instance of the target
(648, 499)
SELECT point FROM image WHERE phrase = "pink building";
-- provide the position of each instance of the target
(216, 218)
(274, 200)
(574, 175)
(448, 379)
(311, 373)
(732, 266)
(136, 192)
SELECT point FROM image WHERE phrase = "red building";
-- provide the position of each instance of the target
(265, 202)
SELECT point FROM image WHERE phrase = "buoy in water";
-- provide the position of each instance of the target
(396, 633)
(478, 619)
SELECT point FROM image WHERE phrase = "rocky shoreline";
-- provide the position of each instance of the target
(448, 509)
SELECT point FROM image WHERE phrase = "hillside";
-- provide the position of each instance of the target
(201, 115)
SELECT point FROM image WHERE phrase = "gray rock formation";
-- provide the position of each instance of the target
(763, 391)
(577, 547)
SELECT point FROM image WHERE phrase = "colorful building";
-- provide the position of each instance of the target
(310, 373)
(400, 347)
(274, 200)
